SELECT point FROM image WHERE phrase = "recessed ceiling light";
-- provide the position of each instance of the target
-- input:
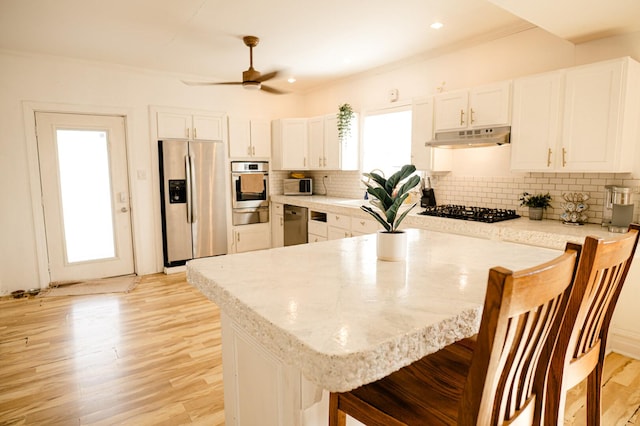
(437, 25)
(291, 79)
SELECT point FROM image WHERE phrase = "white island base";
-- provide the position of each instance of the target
(259, 389)
(299, 320)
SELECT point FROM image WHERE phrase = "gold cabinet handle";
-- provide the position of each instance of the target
(549, 158)
(187, 132)
(195, 133)
(564, 157)
(461, 117)
(472, 119)
(253, 150)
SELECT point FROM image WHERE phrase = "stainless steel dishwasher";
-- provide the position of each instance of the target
(295, 225)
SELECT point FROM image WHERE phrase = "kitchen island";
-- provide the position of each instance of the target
(303, 320)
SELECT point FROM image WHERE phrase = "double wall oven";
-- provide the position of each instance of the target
(249, 192)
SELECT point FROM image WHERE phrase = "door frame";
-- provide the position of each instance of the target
(29, 110)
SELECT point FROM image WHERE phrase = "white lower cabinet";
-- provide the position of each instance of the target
(360, 226)
(277, 225)
(256, 236)
(317, 227)
(338, 226)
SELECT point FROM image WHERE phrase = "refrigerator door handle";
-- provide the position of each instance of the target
(194, 190)
(187, 170)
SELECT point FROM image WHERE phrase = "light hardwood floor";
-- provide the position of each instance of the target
(153, 357)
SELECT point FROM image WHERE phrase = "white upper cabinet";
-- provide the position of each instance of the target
(183, 125)
(314, 147)
(326, 150)
(317, 159)
(478, 107)
(579, 119)
(600, 116)
(249, 139)
(290, 144)
(535, 126)
(422, 156)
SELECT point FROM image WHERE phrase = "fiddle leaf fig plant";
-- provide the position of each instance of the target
(388, 195)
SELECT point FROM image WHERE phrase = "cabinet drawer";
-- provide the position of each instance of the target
(317, 228)
(339, 221)
(313, 238)
(364, 226)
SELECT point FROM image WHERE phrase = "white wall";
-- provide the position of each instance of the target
(95, 87)
(54, 80)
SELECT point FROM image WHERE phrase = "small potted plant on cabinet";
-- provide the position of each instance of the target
(537, 204)
(388, 196)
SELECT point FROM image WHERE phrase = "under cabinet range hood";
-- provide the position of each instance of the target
(472, 138)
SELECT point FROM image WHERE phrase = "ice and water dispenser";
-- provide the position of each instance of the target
(618, 208)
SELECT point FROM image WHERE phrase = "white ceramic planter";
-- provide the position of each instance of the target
(392, 247)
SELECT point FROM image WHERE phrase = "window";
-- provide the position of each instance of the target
(386, 140)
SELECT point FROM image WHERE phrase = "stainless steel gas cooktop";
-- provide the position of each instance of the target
(477, 214)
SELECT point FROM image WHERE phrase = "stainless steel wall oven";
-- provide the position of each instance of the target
(249, 192)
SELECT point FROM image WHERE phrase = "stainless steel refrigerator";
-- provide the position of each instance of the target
(192, 183)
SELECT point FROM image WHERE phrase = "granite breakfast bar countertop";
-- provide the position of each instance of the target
(344, 318)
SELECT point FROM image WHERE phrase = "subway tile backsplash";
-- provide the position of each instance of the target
(497, 192)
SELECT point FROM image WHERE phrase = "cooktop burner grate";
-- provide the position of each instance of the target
(477, 214)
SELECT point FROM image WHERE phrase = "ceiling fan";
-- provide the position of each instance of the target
(251, 78)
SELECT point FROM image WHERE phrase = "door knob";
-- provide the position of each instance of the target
(124, 210)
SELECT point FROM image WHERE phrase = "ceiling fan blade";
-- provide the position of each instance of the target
(272, 90)
(268, 76)
(208, 83)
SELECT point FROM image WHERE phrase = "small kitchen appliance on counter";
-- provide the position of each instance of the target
(476, 214)
(618, 208)
(300, 186)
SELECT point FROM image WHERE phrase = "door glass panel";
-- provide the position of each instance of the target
(85, 187)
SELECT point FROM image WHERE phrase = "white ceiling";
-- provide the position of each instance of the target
(315, 41)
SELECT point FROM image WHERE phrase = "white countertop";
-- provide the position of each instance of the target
(543, 233)
(344, 318)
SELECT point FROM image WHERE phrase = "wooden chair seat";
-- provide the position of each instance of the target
(492, 380)
(425, 392)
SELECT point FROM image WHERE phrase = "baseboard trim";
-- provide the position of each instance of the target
(624, 342)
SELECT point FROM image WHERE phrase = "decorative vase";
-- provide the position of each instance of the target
(535, 213)
(392, 246)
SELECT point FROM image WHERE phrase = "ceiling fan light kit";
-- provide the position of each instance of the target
(252, 79)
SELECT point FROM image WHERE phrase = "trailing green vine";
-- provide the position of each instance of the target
(345, 114)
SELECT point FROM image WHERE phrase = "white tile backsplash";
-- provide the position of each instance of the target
(499, 192)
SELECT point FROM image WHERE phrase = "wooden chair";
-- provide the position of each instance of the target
(581, 346)
(489, 381)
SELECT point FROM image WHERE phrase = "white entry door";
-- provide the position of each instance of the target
(85, 193)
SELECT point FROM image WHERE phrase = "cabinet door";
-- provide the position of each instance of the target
(294, 144)
(535, 126)
(239, 138)
(451, 111)
(207, 127)
(489, 105)
(316, 143)
(277, 225)
(174, 125)
(334, 151)
(252, 237)
(260, 138)
(591, 113)
(424, 157)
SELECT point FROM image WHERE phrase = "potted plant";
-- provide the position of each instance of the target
(387, 196)
(345, 115)
(537, 204)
